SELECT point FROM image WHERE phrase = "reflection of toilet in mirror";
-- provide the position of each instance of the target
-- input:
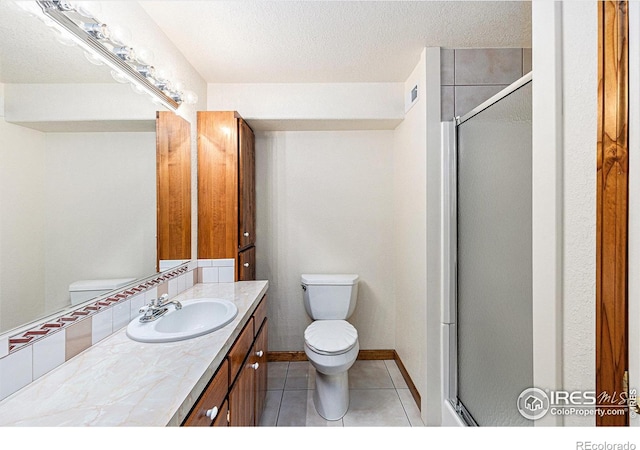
(330, 342)
(83, 290)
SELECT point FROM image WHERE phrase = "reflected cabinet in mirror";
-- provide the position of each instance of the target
(79, 176)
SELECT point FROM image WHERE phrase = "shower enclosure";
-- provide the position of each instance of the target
(490, 313)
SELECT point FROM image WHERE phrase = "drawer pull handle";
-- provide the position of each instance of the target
(255, 366)
(212, 413)
(246, 234)
(259, 354)
(246, 264)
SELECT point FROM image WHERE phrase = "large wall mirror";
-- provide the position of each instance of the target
(78, 184)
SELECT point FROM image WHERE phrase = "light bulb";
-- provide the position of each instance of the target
(164, 74)
(119, 35)
(144, 55)
(190, 97)
(178, 85)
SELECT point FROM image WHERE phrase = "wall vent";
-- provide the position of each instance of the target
(412, 98)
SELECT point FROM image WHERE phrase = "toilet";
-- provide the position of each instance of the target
(330, 342)
(83, 290)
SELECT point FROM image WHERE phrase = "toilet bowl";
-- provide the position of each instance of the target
(332, 348)
(330, 342)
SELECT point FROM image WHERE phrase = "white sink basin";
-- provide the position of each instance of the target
(197, 317)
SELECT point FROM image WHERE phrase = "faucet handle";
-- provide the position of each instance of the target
(158, 301)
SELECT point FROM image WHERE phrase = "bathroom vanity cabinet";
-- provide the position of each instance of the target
(226, 190)
(236, 394)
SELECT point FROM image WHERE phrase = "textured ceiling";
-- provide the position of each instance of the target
(253, 41)
(260, 41)
(30, 53)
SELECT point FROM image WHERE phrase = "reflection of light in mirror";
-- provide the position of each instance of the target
(137, 89)
(119, 77)
(93, 59)
(88, 9)
(64, 38)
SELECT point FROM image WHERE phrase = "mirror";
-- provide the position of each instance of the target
(77, 173)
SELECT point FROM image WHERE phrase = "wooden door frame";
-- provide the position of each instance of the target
(612, 345)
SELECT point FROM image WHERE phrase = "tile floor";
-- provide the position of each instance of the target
(379, 397)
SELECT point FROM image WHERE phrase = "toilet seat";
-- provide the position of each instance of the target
(331, 337)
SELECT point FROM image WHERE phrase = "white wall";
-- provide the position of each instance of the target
(580, 105)
(564, 144)
(324, 202)
(410, 232)
(21, 224)
(100, 213)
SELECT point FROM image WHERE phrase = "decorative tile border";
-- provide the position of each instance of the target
(39, 347)
(42, 329)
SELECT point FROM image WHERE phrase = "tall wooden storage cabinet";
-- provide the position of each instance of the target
(226, 190)
(173, 178)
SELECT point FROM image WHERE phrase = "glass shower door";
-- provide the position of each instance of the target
(494, 279)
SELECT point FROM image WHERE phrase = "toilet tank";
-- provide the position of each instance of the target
(83, 290)
(330, 296)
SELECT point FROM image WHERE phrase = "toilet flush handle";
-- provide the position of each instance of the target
(304, 288)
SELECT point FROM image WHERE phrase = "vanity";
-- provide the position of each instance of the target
(121, 382)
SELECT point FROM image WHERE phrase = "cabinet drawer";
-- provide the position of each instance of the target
(259, 315)
(213, 397)
(239, 351)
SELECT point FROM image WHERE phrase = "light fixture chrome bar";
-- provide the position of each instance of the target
(94, 46)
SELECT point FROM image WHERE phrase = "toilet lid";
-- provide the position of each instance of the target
(331, 336)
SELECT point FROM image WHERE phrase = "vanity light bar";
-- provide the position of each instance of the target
(84, 36)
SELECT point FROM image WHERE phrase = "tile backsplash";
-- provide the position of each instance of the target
(36, 350)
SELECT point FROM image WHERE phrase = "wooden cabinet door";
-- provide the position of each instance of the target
(247, 264)
(246, 186)
(260, 352)
(223, 416)
(173, 187)
(242, 396)
(211, 407)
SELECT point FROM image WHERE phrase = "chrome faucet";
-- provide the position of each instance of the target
(157, 308)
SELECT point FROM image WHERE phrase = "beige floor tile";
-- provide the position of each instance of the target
(369, 375)
(301, 375)
(410, 407)
(396, 375)
(297, 410)
(271, 409)
(277, 374)
(375, 408)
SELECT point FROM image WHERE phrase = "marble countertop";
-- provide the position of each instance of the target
(120, 382)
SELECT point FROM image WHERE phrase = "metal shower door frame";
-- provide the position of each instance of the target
(450, 251)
